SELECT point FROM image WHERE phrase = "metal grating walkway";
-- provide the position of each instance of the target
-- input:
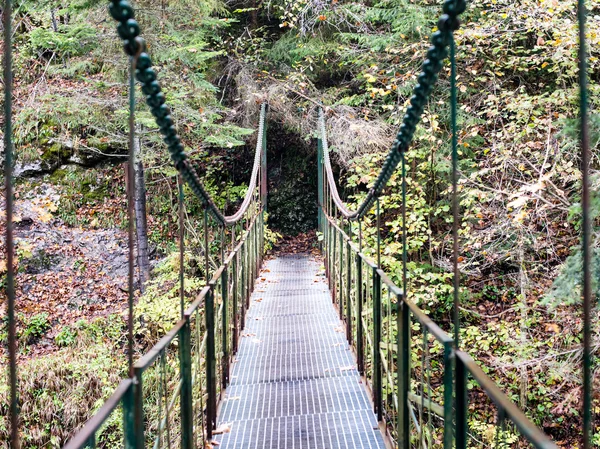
(294, 383)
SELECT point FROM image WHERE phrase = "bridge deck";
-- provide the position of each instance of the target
(294, 382)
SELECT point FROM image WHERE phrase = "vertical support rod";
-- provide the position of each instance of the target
(377, 385)
(378, 235)
(360, 349)
(403, 373)
(181, 248)
(129, 418)
(333, 279)
(225, 327)
(586, 241)
(455, 205)
(185, 394)
(10, 268)
(448, 395)
(320, 183)
(461, 404)
(348, 285)
(263, 161)
(130, 213)
(206, 248)
(211, 361)
(138, 409)
(404, 236)
(235, 273)
(243, 283)
(341, 275)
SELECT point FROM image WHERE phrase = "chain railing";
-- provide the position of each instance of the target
(171, 398)
(415, 371)
(421, 382)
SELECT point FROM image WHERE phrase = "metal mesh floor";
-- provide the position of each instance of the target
(294, 382)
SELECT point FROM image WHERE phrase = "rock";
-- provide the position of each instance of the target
(28, 169)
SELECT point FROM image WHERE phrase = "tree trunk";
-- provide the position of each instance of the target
(140, 217)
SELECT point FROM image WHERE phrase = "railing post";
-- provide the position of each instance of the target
(341, 274)
(255, 261)
(348, 285)
(377, 387)
(247, 287)
(224, 328)
(185, 366)
(129, 428)
(326, 247)
(320, 184)
(461, 404)
(138, 409)
(211, 384)
(263, 162)
(243, 285)
(235, 272)
(333, 279)
(403, 373)
(360, 351)
(448, 395)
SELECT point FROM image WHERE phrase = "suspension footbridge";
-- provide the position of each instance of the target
(303, 352)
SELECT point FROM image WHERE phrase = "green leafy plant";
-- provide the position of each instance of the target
(35, 327)
(66, 337)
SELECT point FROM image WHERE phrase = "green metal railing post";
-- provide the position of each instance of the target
(348, 285)
(255, 261)
(129, 435)
(326, 250)
(341, 275)
(247, 270)
(138, 409)
(461, 404)
(185, 365)
(243, 286)
(211, 361)
(263, 166)
(448, 395)
(320, 183)
(377, 384)
(403, 373)
(360, 350)
(333, 251)
(235, 302)
(225, 328)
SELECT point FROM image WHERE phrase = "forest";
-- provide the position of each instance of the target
(519, 184)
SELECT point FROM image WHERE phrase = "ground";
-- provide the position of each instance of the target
(64, 274)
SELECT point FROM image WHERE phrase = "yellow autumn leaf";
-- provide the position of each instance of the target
(51, 206)
(25, 249)
(3, 266)
(44, 216)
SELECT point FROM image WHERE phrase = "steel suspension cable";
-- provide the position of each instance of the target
(135, 46)
(9, 204)
(437, 53)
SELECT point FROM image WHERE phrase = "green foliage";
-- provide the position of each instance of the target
(35, 327)
(67, 42)
(66, 337)
(566, 288)
(159, 307)
(271, 237)
(61, 392)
